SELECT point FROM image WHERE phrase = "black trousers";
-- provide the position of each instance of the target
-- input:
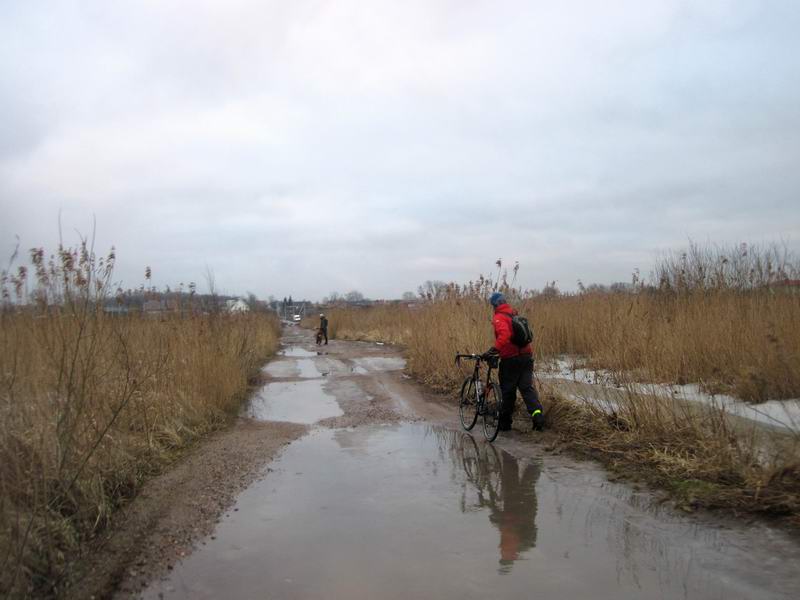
(325, 333)
(517, 374)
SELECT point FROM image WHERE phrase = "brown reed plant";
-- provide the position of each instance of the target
(733, 337)
(93, 403)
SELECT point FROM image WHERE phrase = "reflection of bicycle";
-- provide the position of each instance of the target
(483, 468)
(480, 398)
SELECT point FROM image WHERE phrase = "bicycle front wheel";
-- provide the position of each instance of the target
(468, 404)
(491, 416)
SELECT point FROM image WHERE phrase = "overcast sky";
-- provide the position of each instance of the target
(304, 147)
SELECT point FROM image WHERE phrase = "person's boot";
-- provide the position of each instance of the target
(505, 425)
(538, 420)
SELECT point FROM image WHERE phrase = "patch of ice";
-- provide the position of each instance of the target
(776, 413)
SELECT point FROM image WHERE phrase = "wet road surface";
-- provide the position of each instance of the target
(421, 510)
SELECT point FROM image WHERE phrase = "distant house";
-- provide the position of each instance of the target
(154, 307)
(161, 306)
(236, 305)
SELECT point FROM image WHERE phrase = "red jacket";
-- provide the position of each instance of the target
(502, 333)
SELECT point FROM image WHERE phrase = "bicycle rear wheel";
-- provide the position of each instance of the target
(468, 404)
(491, 416)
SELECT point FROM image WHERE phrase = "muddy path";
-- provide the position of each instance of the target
(381, 495)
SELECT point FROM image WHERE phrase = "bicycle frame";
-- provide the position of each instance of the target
(476, 372)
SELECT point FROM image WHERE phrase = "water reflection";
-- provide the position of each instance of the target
(497, 482)
(294, 401)
(408, 511)
(515, 514)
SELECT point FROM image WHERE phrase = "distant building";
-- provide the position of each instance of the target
(154, 307)
(160, 307)
(236, 305)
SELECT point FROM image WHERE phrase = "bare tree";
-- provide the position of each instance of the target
(252, 301)
(432, 290)
(551, 290)
(212, 289)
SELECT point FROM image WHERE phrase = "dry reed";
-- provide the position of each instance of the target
(92, 403)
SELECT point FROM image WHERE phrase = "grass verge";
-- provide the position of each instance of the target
(92, 404)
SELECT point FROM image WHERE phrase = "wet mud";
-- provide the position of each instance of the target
(297, 351)
(388, 498)
(379, 363)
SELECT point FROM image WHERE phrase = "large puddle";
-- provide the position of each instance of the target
(297, 352)
(413, 511)
(294, 401)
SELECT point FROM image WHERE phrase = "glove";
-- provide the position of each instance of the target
(490, 354)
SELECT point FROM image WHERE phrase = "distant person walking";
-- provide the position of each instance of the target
(323, 327)
(516, 366)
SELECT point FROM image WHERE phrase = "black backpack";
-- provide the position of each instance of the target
(521, 332)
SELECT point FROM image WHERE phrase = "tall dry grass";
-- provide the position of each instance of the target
(743, 343)
(91, 404)
(740, 339)
(723, 318)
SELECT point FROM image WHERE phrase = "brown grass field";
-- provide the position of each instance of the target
(92, 404)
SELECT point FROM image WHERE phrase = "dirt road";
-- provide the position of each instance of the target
(381, 495)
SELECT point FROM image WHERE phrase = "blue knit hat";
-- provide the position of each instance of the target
(497, 299)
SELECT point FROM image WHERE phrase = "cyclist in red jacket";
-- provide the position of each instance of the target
(516, 367)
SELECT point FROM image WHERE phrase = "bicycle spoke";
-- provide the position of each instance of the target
(491, 416)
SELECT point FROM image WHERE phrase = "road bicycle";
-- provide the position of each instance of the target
(480, 397)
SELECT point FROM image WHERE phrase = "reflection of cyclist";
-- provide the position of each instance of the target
(516, 367)
(509, 496)
(515, 516)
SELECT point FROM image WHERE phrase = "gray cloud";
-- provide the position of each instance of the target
(307, 147)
